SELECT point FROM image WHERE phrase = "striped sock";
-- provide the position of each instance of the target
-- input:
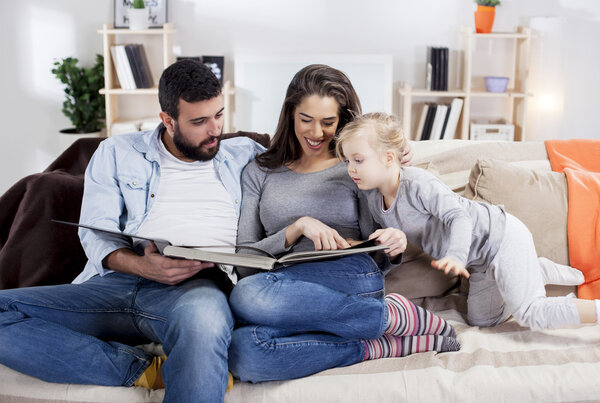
(401, 346)
(408, 319)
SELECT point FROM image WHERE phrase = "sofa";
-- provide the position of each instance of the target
(504, 363)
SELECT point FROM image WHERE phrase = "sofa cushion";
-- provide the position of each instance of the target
(536, 197)
(415, 278)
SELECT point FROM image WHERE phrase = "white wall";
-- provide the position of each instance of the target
(34, 32)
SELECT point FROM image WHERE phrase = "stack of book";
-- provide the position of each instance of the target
(131, 64)
(437, 69)
(134, 125)
(438, 121)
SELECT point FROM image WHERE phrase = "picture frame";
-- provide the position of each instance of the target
(157, 10)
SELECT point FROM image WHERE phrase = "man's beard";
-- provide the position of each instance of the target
(195, 152)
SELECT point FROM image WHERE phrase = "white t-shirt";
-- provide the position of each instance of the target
(192, 206)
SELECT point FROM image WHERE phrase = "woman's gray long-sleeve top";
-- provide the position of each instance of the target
(273, 199)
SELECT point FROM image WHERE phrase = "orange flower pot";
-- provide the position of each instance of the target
(484, 19)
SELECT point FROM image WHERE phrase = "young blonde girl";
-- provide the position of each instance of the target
(479, 241)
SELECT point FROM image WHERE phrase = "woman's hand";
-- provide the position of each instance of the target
(447, 265)
(393, 238)
(323, 236)
(353, 242)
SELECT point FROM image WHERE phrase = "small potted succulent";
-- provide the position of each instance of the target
(138, 15)
(484, 15)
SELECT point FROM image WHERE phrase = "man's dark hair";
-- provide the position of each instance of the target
(189, 80)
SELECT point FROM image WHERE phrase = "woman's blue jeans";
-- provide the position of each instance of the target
(83, 333)
(306, 318)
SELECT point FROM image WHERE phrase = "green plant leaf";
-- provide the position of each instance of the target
(83, 105)
(488, 3)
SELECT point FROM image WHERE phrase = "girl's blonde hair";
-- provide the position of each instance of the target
(384, 130)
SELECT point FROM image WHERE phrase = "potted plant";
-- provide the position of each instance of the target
(84, 105)
(484, 15)
(138, 15)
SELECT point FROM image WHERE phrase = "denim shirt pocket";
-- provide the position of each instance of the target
(135, 195)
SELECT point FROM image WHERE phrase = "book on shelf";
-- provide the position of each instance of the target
(429, 70)
(207, 253)
(436, 78)
(445, 123)
(443, 69)
(135, 61)
(438, 122)
(124, 127)
(146, 71)
(118, 67)
(437, 69)
(149, 123)
(428, 121)
(453, 116)
(122, 67)
(421, 124)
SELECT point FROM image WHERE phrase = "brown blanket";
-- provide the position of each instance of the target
(35, 251)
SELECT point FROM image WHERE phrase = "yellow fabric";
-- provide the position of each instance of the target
(151, 378)
(230, 382)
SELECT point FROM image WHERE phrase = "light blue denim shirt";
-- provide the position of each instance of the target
(121, 182)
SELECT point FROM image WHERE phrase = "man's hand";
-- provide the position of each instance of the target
(391, 237)
(447, 265)
(323, 236)
(154, 266)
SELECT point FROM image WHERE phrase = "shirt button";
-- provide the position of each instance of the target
(134, 183)
(152, 195)
(236, 201)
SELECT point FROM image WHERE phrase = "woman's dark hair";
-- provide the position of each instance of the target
(189, 80)
(315, 79)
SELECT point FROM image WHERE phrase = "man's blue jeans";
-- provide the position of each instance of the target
(83, 333)
(306, 318)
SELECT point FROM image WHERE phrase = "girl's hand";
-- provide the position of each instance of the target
(407, 156)
(391, 237)
(323, 236)
(448, 265)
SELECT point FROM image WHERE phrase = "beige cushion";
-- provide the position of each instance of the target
(458, 155)
(536, 197)
(415, 278)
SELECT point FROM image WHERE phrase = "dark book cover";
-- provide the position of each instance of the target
(145, 67)
(445, 121)
(435, 69)
(429, 122)
(129, 50)
(444, 69)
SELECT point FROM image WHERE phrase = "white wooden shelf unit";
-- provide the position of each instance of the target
(111, 90)
(516, 94)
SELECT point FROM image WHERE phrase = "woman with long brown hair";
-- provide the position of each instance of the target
(297, 196)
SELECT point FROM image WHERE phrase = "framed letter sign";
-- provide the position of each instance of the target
(157, 13)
